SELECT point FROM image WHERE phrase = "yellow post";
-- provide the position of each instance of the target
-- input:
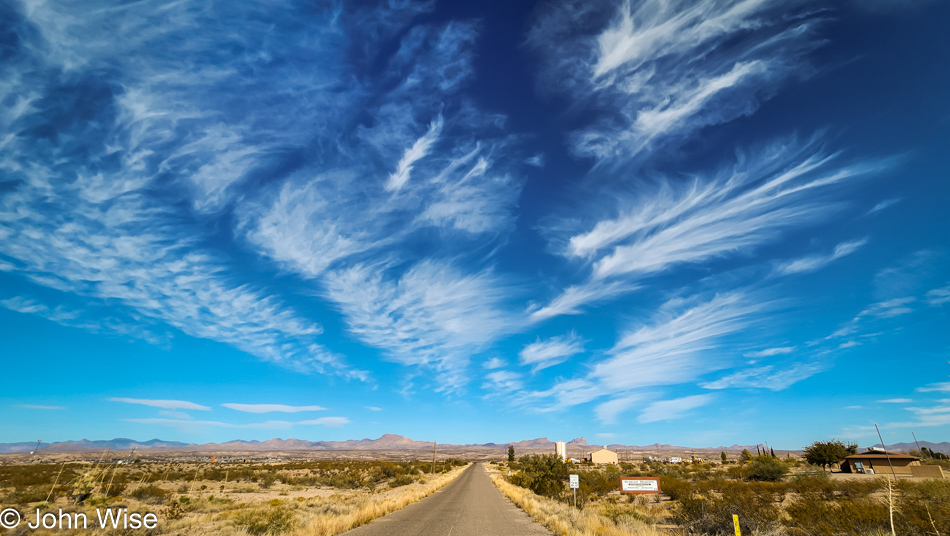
(735, 521)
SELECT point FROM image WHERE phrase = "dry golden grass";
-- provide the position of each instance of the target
(288, 510)
(564, 520)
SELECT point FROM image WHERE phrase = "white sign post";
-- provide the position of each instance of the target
(575, 483)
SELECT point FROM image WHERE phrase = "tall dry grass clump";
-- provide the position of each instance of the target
(564, 520)
(336, 514)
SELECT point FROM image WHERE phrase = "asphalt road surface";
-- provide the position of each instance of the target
(469, 506)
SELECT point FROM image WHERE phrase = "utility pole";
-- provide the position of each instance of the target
(434, 443)
(918, 445)
(33, 452)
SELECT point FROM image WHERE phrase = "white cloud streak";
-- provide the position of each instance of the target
(883, 205)
(417, 152)
(640, 60)
(666, 410)
(816, 262)
(193, 426)
(769, 352)
(943, 387)
(771, 377)
(271, 408)
(164, 404)
(554, 351)
(728, 213)
(682, 342)
(432, 315)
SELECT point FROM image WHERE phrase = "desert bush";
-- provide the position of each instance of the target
(818, 485)
(711, 512)
(766, 468)
(542, 474)
(403, 480)
(923, 508)
(267, 481)
(27, 495)
(675, 488)
(273, 519)
(812, 514)
(151, 494)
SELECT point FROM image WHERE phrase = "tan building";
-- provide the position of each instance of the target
(560, 449)
(602, 456)
(878, 463)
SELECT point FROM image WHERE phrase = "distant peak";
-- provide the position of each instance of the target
(578, 441)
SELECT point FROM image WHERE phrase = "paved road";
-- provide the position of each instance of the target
(469, 506)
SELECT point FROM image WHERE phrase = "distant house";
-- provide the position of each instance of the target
(878, 463)
(602, 456)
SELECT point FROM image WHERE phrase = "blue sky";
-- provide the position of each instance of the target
(697, 223)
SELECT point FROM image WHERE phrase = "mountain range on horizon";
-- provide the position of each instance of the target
(384, 442)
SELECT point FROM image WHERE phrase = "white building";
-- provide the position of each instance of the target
(560, 449)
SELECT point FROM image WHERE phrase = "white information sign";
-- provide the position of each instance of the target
(639, 485)
(575, 481)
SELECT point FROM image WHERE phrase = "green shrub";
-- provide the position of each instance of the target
(711, 513)
(923, 508)
(273, 520)
(814, 515)
(542, 474)
(403, 480)
(766, 468)
(151, 494)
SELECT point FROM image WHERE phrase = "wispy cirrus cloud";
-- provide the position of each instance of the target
(639, 60)
(772, 377)
(896, 401)
(164, 404)
(729, 212)
(116, 196)
(883, 205)
(812, 263)
(682, 342)
(75, 318)
(191, 425)
(494, 363)
(665, 410)
(432, 315)
(503, 381)
(938, 296)
(418, 151)
(547, 353)
(271, 408)
(770, 352)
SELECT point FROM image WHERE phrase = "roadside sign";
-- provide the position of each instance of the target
(575, 481)
(639, 484)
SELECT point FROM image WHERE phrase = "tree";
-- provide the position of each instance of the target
(773, 451)
(828, 453)
(745, 456)
(722, 455)
(511, 453)
(543, 474)
(767, 468)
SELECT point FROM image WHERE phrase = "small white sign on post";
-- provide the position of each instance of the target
(575, 483)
